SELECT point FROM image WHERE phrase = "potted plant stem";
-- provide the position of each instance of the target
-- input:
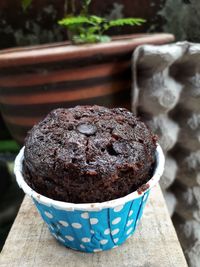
(92, 69)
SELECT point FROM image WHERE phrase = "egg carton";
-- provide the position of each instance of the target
(166, 94)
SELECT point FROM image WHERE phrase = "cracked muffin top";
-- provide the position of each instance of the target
(88, 154)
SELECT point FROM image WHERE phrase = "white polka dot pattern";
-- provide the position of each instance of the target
(85, 215)
(48, 214)
(107, 231)
(116, 220)
(50, 226)
(93, 231)
(129, 222)
(94, 220)
(76, 225)
(64, 223)
(130, 213)
(104, 241)
(85, 239)
(129, 230)
(69, 237)
(61, 239)
(118, 208)
(115, 231)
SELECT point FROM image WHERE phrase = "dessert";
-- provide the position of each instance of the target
(88, 154)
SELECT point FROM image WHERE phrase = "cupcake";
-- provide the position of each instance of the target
(89, 170)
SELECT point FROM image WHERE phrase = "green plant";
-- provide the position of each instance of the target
(85, 28)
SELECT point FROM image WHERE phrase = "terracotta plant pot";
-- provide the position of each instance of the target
(35, 80)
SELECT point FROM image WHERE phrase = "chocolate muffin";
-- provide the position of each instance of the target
(88, 154)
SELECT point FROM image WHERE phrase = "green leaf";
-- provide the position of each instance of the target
(77, 39)
(125, 21)
(90, 38)
(26, 4)
(96, 19)
(104, 39)
(83, 39)
(93, 29)
(76, 20)
(70, 21)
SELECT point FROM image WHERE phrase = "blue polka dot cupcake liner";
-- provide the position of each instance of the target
(92, 227)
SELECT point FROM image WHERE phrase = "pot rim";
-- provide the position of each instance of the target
(114, 38)
(159, 168)
(61, 51)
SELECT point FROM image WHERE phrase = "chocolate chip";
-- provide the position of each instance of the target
(70, 127)
(87, 129)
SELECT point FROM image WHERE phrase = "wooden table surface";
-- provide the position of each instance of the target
(154, 243)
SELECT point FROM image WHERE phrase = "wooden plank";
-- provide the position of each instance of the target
(154, 244)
